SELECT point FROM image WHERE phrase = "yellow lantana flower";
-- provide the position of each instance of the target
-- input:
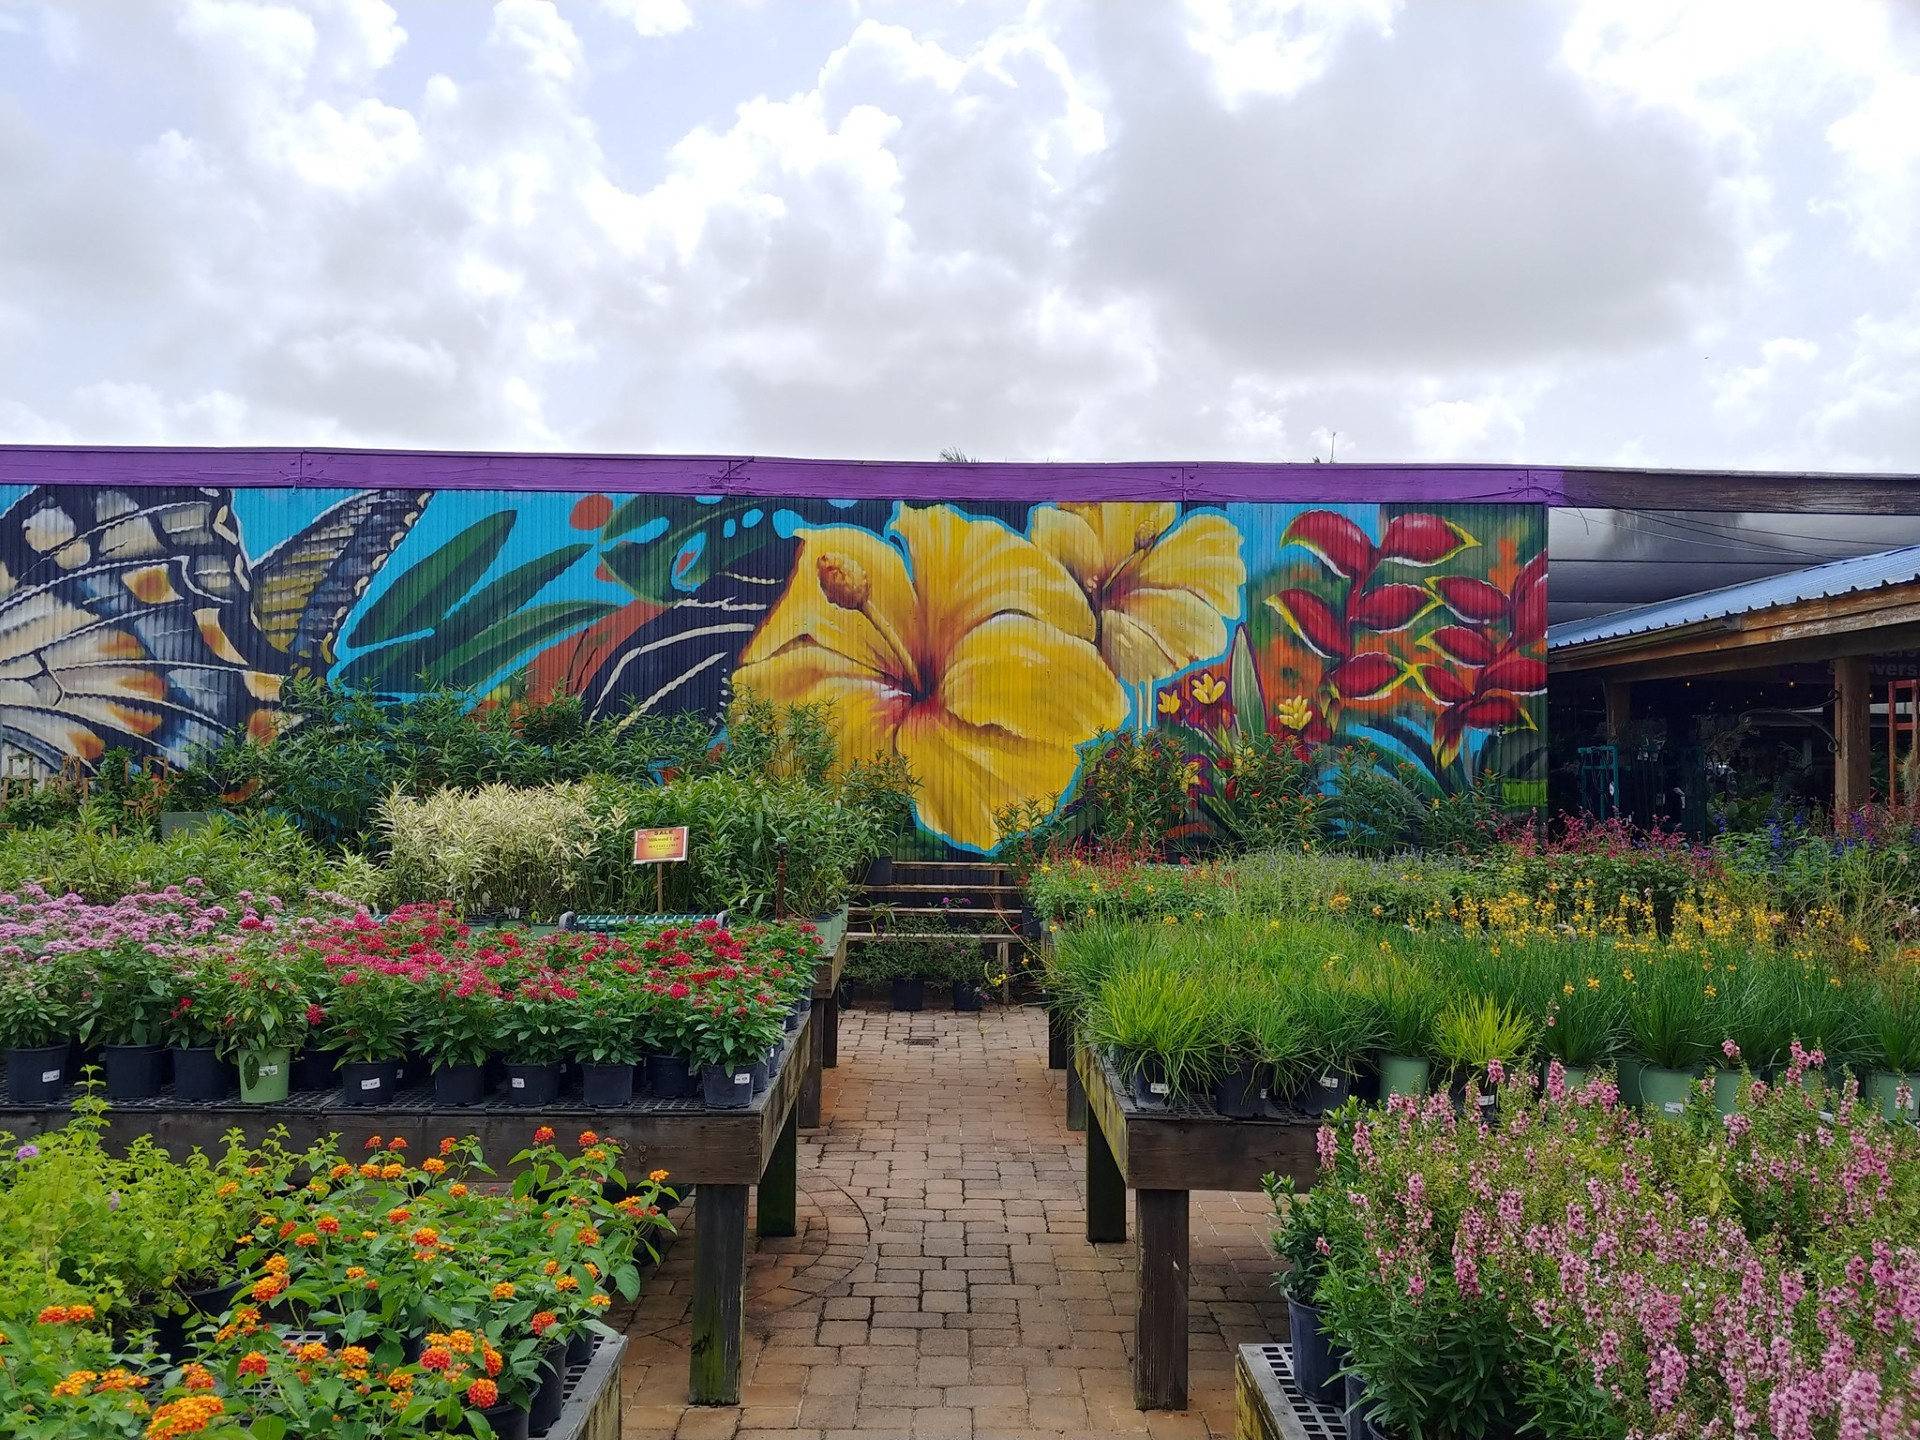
(971, 656)
(1163, 587)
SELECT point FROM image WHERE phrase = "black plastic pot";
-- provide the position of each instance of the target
(909, 995)
(607, 1086)
(369, 1082)
(460, 1085)
(727, 1087)
(762, 1076)
(792, 1020)
(314, 1070)
(880, 870)
(966, 996)
(1241, 1094)
(580, 1349)
(1314, 1370)
(548, 1399)
(1356, 1408)
(509, 1422)
(37, 1074)
(669, 1077)
(533, 1084)
(199, 1074)
(1326, 1091)
(134, 1072)
(1151, 1091)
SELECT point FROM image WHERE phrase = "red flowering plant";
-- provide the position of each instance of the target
(454, 1017)
(255, 1001)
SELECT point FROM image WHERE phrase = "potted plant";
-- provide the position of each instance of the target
(732, 1033)
(1155, 1019)
(125, 1013)
(1257, 1033)
(667, 1033)
(367, 1011)
(533, 1038)
(1579, 1024)
(1473, 1037)
(1406, 1000)
(36, 1025)
(1894, 1022)
(1341, 1026)
(201, 1073)
(1671, 1022)
(264, 1013)
(1300, 1238)
(1829, 1011)
(603, 1026)
(455, 1023)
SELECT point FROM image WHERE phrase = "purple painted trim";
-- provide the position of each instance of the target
(1212, 483)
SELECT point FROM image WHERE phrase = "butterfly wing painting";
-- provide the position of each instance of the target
(305, 587)
(126, 621)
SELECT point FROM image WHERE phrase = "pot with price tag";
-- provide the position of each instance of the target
(1326, 1090)
(36, 1074)
(369, 1082)
(1151, 1088)
(727, 1087)
(533, 1084)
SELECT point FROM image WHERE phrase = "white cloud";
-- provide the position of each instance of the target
(651, 17)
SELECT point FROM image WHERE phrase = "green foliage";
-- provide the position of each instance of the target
(1136, 787)
(1159, 1011)
(1474, 1032)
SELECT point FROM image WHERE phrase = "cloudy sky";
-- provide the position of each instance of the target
(1646, 232)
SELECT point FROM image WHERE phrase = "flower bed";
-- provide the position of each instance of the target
(371, 1296)
(1575, 1270)
(366, 994)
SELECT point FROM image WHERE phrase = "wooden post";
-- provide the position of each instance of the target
(719, 1294)
(1076, 1101)
(779, 1185)
(1619, 697)
(1160, 1325)
(1106, 1189)
(1059, 1042)
(829, 1031)
(1852, 733)
(808, 1108)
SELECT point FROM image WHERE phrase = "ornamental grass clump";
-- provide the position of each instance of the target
(1156, 1019)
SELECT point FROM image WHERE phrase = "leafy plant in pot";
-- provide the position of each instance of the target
(1579, 1019)
(366, 1026)
(1406, 1000)
(732, 1033)
(201, 1072)
(1300, 1238)
(533, 1037)
(1257, 1031)
(1475, 1035)
(37, 1003)
(264, 1013)
(1156, 1020)
(667, 1033)
(603, 1025)
(1672, 1021)
(124, 1010)
(456, 1024)
(1342, 1025)
(1895, 1050)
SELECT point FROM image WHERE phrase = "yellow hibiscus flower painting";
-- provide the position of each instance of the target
(1163, 588)
(966, 648)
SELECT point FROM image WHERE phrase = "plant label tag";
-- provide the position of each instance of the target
(519, 1082)
(1157, 1087)
(1263, 1092)
(1675, 1107)
(47, 1077)
(373, 1084)
(269, 1069)
(1329, 1082)
(743, 1077)
(665, 846)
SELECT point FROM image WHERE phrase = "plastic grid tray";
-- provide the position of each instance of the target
(1272, 1369)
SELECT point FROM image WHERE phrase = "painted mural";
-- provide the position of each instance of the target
(986, 644)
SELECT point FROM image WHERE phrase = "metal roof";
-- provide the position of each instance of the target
(1841, 577)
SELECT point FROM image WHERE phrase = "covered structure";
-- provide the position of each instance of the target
(1811, 656)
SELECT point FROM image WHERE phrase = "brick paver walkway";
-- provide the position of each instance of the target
(942, 1285)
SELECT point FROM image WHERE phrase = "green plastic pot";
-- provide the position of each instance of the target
(1882, 1094)
(263, 1075)
(1626, 1075)
(1728, 1087)
(1667, 1092)
(1814, 1082)
(1404, 1075)
(1574, 1076)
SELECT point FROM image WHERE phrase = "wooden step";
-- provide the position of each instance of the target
(882, 936)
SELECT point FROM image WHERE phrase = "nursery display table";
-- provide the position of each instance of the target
(720, 1153)
(1161, 1155)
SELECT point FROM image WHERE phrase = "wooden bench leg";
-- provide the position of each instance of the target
(808, 1107)
(1106, 1189)
(1160, 1325)
(1059, 1042)
(1076, 1100)
(780, 1184)
(829, 1009)
(719, 1294)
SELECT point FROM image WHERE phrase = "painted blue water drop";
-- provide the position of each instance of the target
(786, 522)
(708, 499)
(751, 519)
(729, 530)
(684, 563)
(652, 530)
(843, 504)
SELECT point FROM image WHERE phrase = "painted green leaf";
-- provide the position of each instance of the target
(646, 570)
(1249, 704)
(475, 661)
(395, 669)
(630, 514)
(421, 598)
(498, 599)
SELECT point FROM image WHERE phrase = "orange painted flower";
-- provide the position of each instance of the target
(483, 1394)
(311, 1353)
(971, 655)
(493, 1360)
(268, 1288)
(306, 1239)
(392, 1172)
(276, 1265)
(599, 1301)
(399, 1216)
(447, 1143)
(196, 1377)
(543, 1321)
(356, 1272)
(373, 1143)
(1162, 587)
(457, 1191)
(341, 1170)
(355, 1357)
(566, 1284)
(656, 1176)
(398, 1142)
(426, 1235)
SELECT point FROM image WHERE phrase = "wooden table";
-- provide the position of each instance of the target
(720, 1153)
(1161, 1155)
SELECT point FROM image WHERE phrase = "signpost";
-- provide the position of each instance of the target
(660, 848)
